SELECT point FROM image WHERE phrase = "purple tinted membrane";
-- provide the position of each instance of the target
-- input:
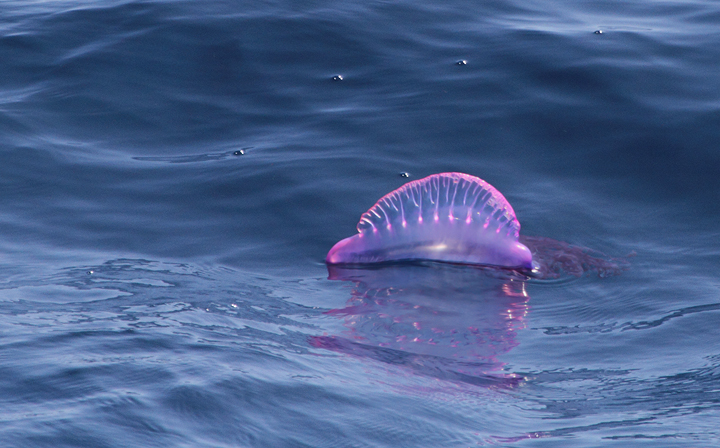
(400, 227)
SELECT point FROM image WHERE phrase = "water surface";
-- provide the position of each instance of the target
(172, 174)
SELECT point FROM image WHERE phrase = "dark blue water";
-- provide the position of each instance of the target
(172, 174)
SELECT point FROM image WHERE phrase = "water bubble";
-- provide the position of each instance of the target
(404, 174)
(461, 62)
(598, 31)
(337, 78)
(239, 152)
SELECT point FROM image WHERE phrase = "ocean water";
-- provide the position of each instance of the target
(173, 172)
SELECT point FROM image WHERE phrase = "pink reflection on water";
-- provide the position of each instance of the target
(445, 321)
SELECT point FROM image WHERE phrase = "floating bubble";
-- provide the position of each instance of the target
(458, 218)
(451, 217)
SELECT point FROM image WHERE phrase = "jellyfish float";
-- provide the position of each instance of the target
(459, 218)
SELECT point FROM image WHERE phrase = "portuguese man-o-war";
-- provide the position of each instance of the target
(450, 217)
(459, 218)
(399, 314)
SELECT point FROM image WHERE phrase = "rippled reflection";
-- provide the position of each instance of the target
(445, 321)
